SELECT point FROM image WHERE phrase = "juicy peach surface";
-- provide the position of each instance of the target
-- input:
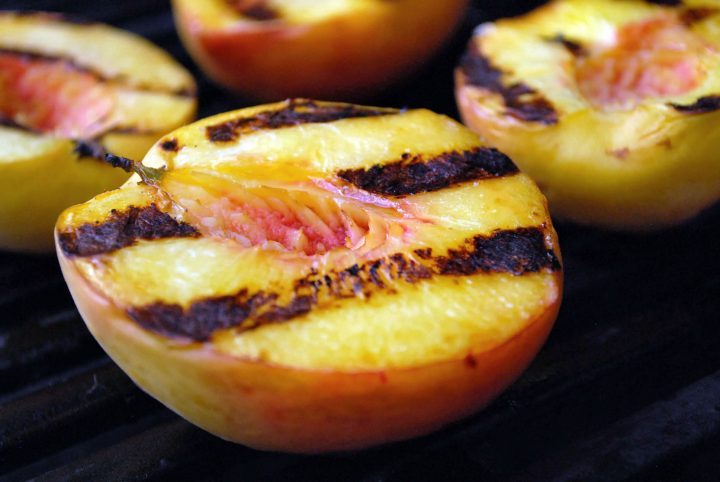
(273, 49)
(311, 276)
(68, 93)
(612, 107)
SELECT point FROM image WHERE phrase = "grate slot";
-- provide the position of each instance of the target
(80, 407)
(42, 347)
(631, 364)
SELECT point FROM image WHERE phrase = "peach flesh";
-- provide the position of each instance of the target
(651, 58)
(52, 96)
(306, 218)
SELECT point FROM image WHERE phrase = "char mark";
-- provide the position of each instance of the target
(170, 145)
(413, 174)
(521, 101)
(691, 16)
(572, 46)
(666, 2)
(518, 251)
(52, 16)
(295, 112)
(255, 9)
(72, 64)
(122, 229)
(703, 105)
(6, 121)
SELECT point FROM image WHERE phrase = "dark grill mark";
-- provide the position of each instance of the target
(51, 16)
(572, 46)
(521, 101)
(665, 2)
(255, 9)
(122, 229)
(296, 112)
(72, 64)
(6, 121)
(170, 145)
(691, 16)
(703, 105)
(519, 251)
(413, 174)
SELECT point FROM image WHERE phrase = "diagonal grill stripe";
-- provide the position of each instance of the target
(295, 112)
(71, 63)
(703, 105)
(413, 174)
(521, 101)
(518, 251)
(122, 229)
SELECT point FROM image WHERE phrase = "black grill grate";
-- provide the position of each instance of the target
(627, 388)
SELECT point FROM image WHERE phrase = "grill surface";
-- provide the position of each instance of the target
(628, 386)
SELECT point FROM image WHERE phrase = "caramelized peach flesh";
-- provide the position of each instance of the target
(51, 96)
(309, 276)
(612, 107)
(658, 57)
(63, 105)
(271, 50)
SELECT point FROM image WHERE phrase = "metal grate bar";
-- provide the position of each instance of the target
(639, 324)
(80, 407)
(42, 347)
(627, 448)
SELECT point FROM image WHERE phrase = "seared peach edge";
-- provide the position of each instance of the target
(274, 407)
(131, 106)
(271, 406)
(651, 164)
(331, 54)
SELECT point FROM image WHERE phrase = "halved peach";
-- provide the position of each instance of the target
(273, 49)
(69, 93)
(309, 276)
(613, 107)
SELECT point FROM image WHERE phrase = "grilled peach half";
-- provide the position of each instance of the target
(69, 93)
(310, 276)
(613, 107)
(274, 49)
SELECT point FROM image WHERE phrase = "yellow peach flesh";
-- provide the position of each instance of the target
(387, 363)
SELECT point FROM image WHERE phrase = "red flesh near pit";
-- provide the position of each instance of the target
(652, 58)
(53, 96)
(311, 218)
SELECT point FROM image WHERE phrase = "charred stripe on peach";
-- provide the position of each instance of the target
(72, 64)
(254, 9)
(57, 16)
(518, 251)
(521, 101)
(691, 16)
(413, 174)
(703, 105)
(122, 229)
(572, 46)
(170, 145)
(295, 112)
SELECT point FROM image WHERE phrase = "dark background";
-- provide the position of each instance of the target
(627, 387)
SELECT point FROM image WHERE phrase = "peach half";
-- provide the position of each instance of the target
(613, 107)
(340, 49)
(69, 92)
(310, 276)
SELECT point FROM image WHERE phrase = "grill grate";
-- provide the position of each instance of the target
(627, 387)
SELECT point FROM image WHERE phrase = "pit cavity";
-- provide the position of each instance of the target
(308, 218)
(659, 57)
(52, 96)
